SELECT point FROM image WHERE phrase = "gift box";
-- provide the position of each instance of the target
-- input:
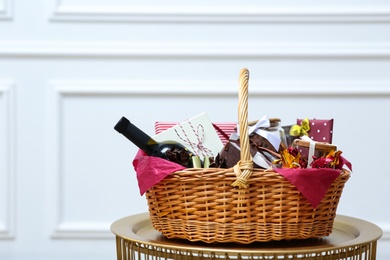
(321, 130)
(310, 149)
(321, 149)
(197, 134)
(223, 129)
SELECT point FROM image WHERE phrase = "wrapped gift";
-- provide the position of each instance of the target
(320, 149)
(267, 133)
(230, 155)
(310, 150)
(197, 134)
(223, 129)
(321, 130)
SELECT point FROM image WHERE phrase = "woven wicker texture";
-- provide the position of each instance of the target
(239, 204)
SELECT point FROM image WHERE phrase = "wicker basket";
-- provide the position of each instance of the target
(239, 204)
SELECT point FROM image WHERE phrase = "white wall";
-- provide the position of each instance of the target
(70, 69)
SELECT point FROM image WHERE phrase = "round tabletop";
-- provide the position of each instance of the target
(350, 237)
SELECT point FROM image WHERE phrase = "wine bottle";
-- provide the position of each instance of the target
(169, 150)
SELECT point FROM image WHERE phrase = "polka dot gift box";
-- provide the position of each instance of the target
(321, 130)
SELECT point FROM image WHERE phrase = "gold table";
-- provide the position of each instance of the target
(351, 238)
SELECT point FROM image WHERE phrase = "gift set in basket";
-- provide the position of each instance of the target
(245, 203)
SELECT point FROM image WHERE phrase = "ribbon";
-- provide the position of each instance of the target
(312, 148)
(300, 130)
(259, 128)
(343, 162)
(197, 147)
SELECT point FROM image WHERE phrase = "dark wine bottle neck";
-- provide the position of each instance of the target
(136, 135)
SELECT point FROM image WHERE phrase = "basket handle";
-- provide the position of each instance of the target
(244, 168)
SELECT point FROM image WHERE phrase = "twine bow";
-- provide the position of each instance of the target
(197, 147)
(301, 130)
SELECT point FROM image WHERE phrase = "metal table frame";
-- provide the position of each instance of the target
(352, 238)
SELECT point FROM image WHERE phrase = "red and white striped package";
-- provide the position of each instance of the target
(224, 129)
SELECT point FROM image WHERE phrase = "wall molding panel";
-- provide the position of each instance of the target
(195, 50)
(5, 10)
(202, 88)
(81, 229)
(7, 97)
(178, 12)
(60, 228)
